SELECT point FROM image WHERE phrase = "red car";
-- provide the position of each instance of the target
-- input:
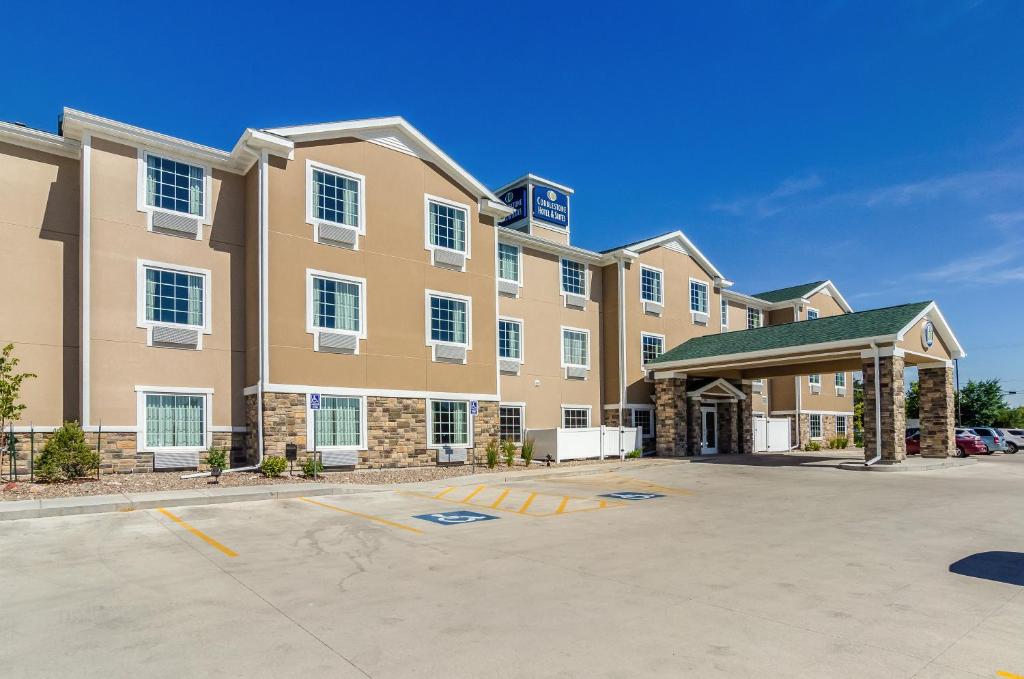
(966, 444)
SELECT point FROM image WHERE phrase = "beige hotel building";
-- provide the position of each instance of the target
(172, 296)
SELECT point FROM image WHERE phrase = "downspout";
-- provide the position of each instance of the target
(878, 413)
(622, 344)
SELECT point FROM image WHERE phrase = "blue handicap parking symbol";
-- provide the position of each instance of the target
(454, 518)
(626, 495)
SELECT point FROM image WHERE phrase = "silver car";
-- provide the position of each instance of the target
(991, 438)
(1014, 439)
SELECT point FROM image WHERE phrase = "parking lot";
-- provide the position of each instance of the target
(774, 566)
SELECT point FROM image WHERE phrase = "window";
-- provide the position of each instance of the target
(574, 347)
(175, 421)
(812, 314)
(753, 318)
(574, 277)
(447, 225)
(335, 197)
(698, 296)
(644, 421)
(650, 285)
(337, 304)
(840, 380)
(174, 186)
(173, 296)
(651, 346)
(449, 423)
(510, 342)
(841, 425)
(725, 314)
(448, 319)
(508, 262)
(814, 380)
(339, 423)
(510, 423)
(815, 426)
(575, 418)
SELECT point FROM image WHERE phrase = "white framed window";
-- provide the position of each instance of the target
(812, 314)
(841, 384)
(575, 348)
(698, 296)
(447, 225)
(172, 185)
(651, 346)
(815, 426)
(340, 424)
(725, 314)
(335, 196)
(173, 418)
(814, 380)
(449, 423)
(511, 422)
(652, 288)
(509, 262)
(643, 419)
(335, 303)
(840, 425)
(575, 417)
(449, 318)
(510, 339)
(754, 318)
(171, 294)
(574, 277)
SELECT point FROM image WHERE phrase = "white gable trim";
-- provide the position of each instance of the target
(720, 383)
(933, 314)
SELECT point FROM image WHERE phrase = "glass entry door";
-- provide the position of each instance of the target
(709, 430)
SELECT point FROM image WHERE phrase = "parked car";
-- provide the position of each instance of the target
(991, 438)
(967, 443)
(1014, 439)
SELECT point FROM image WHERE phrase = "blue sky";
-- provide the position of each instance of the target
(878, 144)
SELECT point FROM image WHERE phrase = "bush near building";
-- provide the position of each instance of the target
(66, 456)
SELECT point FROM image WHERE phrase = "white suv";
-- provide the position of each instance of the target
(1014, 439)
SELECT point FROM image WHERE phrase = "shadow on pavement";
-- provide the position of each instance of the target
(1005, 567)
(781, 460)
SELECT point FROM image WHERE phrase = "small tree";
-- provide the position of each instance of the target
(10, 391)
(981, 403)
(914, 400)
(66, 455)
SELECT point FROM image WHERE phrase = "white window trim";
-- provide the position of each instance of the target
(661, 272)
(811, 381)
(840, 388)
(649, 409)
(148, 210)
(311, 217)
(430, 425)
(140, 417)
(723, 305)
(519, 267)
(522, 340)
(140, 299)
(807, 314)
(311, 329)
(561, 347)
(689, 294)
(427, 245)
(427, 294)
(649, 334)
(586, 277)
(846, 425)
(522, 416)
(760, 315)
(571, 406)
(362, 425)
(821, 427)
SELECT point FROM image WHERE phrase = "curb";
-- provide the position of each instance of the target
(123, 502)
(915, 465)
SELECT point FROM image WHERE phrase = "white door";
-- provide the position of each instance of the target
(778, 434)
(709, 430)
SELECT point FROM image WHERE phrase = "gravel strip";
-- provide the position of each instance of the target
(153, 481)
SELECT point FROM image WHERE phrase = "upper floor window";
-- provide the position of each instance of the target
(725, 314)
(447, 225)
(814, 380)
(575, 347)
(754, 318)
(510, 342)
(508, 262)
(651, 346)
(336, 197)
(651, 285)
(841, 380)
(698, 296)
(574, 277)
(449, 319)
(337, 304)
(174, 186)
(176, 297)
(812, 314)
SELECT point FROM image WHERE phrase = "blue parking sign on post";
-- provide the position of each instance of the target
(627, 495)
(314, 401)
(474, 407)
(455, 518)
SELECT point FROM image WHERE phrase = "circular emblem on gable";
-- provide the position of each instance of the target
(928, 334)
(552, 196)
(508, 197)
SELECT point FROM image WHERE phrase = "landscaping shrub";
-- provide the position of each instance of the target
(635, 453)
(66, 455)
(838, 443)
(508, 451)
(273, 465)
(812, 446)
(492, 454)
(312, 467)
(528, 451)
(217, 457)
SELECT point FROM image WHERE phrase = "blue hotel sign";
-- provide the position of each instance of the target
(551, 206)
(515, 199)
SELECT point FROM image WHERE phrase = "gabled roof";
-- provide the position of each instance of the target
(886, 324)
(680, 240)
(792, 292)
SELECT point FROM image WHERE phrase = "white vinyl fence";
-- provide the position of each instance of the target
(771, 434)
(584, 443)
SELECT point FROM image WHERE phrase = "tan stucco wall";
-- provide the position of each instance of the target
(397, 269)
(554, 234)
(913, 340)
(39, 227)
(540, 306)
(825, 303)
(120, 358)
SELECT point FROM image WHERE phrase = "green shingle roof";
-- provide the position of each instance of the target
(862, 324)
(792, 292)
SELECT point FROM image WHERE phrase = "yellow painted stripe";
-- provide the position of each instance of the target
(504, 494)
(198, 533)
(562, 504)
(602, 504)
(1008, 675)
(473, 494)
(368, 517)
(444, 492)
(526, 505)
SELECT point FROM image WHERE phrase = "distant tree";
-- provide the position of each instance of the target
(914, 400)
(858, 405)
(1011, 418)
(981, 403)
(10, 391)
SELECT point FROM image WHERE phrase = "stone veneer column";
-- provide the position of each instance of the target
(728, 439)
(486, 428)
(396, 430)
(893, 402)
(746, 420)
(284, 422)
(670, 416)
(938, 438)
(694, 423)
